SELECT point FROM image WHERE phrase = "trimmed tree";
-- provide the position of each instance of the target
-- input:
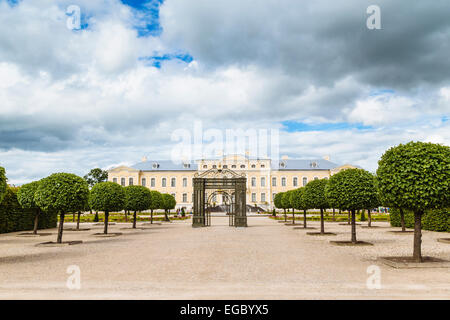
(107, 197)
(315, 198)
(299, 203)
(352, 189)
(3, 184)
(62, 192)
(286, 202)
(137, 198)
(168, 203)
(25, 196)
(155, 202)
(416, 176)
(278, 202)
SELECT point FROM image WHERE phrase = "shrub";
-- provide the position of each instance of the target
(3, 185)
(137, 198)
(25, 196)
(433, 220)
(15, 218)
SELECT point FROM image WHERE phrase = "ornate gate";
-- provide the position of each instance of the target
(223, 180)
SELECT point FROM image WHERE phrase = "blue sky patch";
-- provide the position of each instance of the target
(294, 126)
(156, 61)
(148, 16)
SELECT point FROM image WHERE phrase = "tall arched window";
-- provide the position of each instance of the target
(122, 182)
(295, 181)
(144, 182)
(253, 182)
(274, 182)
(164, 182)
(184, 182)
(153, 182)
(263, 181)
(173, 182)
(305, 181)
(283, 182)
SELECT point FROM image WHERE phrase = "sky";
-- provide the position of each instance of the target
(118, 87)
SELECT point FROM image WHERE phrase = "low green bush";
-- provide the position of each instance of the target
(14, 218)
(432, 220)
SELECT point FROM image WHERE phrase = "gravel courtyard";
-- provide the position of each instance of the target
(267, 260)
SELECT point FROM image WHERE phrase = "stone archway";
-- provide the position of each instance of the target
(220, 179)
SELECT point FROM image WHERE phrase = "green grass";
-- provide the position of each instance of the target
(119, 217)
(339, 218)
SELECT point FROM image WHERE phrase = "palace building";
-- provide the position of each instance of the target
(265, 177)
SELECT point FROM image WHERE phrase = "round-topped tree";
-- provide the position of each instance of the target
(416, 176)
(107, 197)
(137, 198)
(315, 198)
(25, 197)
(63, 193)
(352, 189)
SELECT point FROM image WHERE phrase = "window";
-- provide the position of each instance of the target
(253, 197)
(253, 166)
(282, 164)
(225, 166)
(274, 182)
(316, 178)
(233, 166)
(263, 166)
(295, 181)
(283, 182)
(263, 197)
(155, 165)
(164, 182)
(130, 181)
(115, 180)
(242, 166)
(153, 182)
(122, 182)
(314, 165)
(253, 182)
(144, 182)
(173, 182)
(263, 181)
(305, 181)
(186, 165)
(185, 197)
(205, 166)
(185, 182)
(214, 166)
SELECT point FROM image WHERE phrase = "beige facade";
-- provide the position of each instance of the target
(265, 177)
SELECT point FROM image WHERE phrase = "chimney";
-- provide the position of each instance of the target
(326, 158)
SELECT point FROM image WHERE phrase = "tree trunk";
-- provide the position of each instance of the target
(285, 217)
(151, 216)
(166, 217)
(36, 221)
(348, 219)
(369, 214)
(73, 217)
(134, 220)
(402, 217)
(96, 216)
(105, 231)
(293, 216)
(417, 255)
(322, 223)
(334, 215)
(60, 228)
(363, 216)
(126, 216)
(353, 226)
(78, 220)
(304, 218)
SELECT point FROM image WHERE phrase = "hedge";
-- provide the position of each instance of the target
(14, 218)
(432, 220)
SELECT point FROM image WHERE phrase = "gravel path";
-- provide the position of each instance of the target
(268, 260)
